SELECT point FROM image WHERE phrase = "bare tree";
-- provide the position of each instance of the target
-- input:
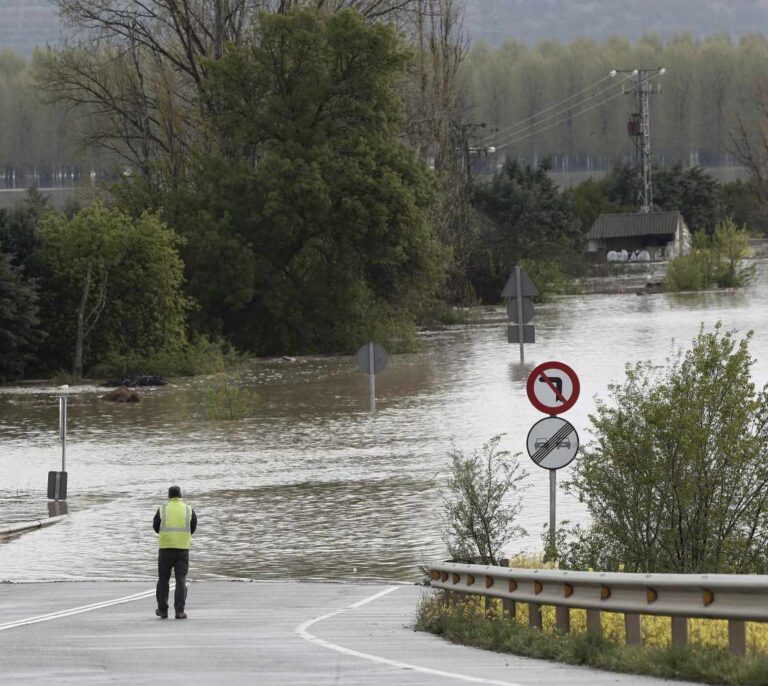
(137, 68)
(437, 125)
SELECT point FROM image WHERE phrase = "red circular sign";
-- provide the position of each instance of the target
(553, 388)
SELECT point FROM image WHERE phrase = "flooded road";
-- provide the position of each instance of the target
(314, 486)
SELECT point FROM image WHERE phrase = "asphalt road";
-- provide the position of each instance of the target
(248, 633)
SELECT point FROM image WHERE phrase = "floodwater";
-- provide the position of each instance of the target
(314, 486)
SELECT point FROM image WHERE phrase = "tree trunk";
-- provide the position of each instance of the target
(77, 367)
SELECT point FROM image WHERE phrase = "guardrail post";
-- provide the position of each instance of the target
(489, 605)
(594, 623)
(534, 616)
(737, 637)
(632, 630)
(679, 631)
(563, 618)
(510, 607)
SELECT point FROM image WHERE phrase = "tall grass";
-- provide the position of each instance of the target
(705, 659)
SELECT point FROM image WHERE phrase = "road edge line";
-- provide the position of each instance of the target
(302, 630)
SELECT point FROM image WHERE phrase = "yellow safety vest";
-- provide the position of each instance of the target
(175, 524)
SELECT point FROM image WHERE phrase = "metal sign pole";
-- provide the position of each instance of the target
(520, 323)
(372, 377)
(63, 431)
(552, 507)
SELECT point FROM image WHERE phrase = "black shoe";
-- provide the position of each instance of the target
(161, 614)
(181, 615)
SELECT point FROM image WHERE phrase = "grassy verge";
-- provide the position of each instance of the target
(466, 624)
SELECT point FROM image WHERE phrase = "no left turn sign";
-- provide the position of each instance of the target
(553, 387)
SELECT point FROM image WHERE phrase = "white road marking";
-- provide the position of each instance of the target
(80, 610)
(301, 630)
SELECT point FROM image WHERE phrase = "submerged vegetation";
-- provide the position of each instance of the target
(715, 260)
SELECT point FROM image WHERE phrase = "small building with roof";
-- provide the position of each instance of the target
(650, 235)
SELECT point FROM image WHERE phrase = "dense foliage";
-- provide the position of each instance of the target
(715, 260)
(527, 217)
(676, 479)
(111, 286)
(307, 225)
(18, 320)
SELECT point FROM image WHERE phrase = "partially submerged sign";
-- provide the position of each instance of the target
(371, 358)
(527, 288)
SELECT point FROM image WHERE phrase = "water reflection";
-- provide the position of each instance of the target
(314, 485)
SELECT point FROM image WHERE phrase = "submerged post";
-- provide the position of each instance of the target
(372, 376)
(520, 322)
(63, 431)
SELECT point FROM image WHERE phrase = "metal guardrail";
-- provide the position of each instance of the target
(736, 598)
(18, 529)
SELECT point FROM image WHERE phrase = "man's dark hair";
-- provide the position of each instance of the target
(174, 492)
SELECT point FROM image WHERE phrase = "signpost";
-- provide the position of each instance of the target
(518, 289)
(57, 481)
(552, 443)
(371, 359)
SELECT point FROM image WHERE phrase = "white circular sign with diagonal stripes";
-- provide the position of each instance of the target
(552, 443)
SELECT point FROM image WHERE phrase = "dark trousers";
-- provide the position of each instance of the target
(178, 560)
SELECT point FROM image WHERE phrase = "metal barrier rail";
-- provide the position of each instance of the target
(736, 598)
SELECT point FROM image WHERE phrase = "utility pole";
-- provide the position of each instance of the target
(639, 129)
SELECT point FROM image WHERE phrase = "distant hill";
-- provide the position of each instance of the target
(25, 24)
(530, 21)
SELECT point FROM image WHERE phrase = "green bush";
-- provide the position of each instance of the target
(482, 503)
(231, 398)
(203, 356)
(676, 478)
(714, 261)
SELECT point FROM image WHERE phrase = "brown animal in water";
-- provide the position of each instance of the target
(122, 395)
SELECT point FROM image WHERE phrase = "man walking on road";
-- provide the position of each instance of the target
(175, 522)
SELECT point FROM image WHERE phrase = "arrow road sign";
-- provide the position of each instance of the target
(526, 286)
(553, 388)
(552, 443)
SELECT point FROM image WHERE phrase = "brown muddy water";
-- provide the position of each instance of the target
(314, 486)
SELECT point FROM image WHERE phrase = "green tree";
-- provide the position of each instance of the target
(482, 503)
(691, 191)
(309, 228)
(527, 217)
(112, 286)
(676, 478)
(18, 320)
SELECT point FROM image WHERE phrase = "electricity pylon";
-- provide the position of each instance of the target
(639, 129)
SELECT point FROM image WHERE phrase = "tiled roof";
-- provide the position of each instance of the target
(635, 224)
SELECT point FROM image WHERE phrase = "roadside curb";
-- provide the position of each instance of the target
(23, 527)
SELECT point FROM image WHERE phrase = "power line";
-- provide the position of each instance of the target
(557, 123)
(555, 114)
(557, 105)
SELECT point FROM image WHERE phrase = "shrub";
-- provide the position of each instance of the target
(482, 503)
(676, 478)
